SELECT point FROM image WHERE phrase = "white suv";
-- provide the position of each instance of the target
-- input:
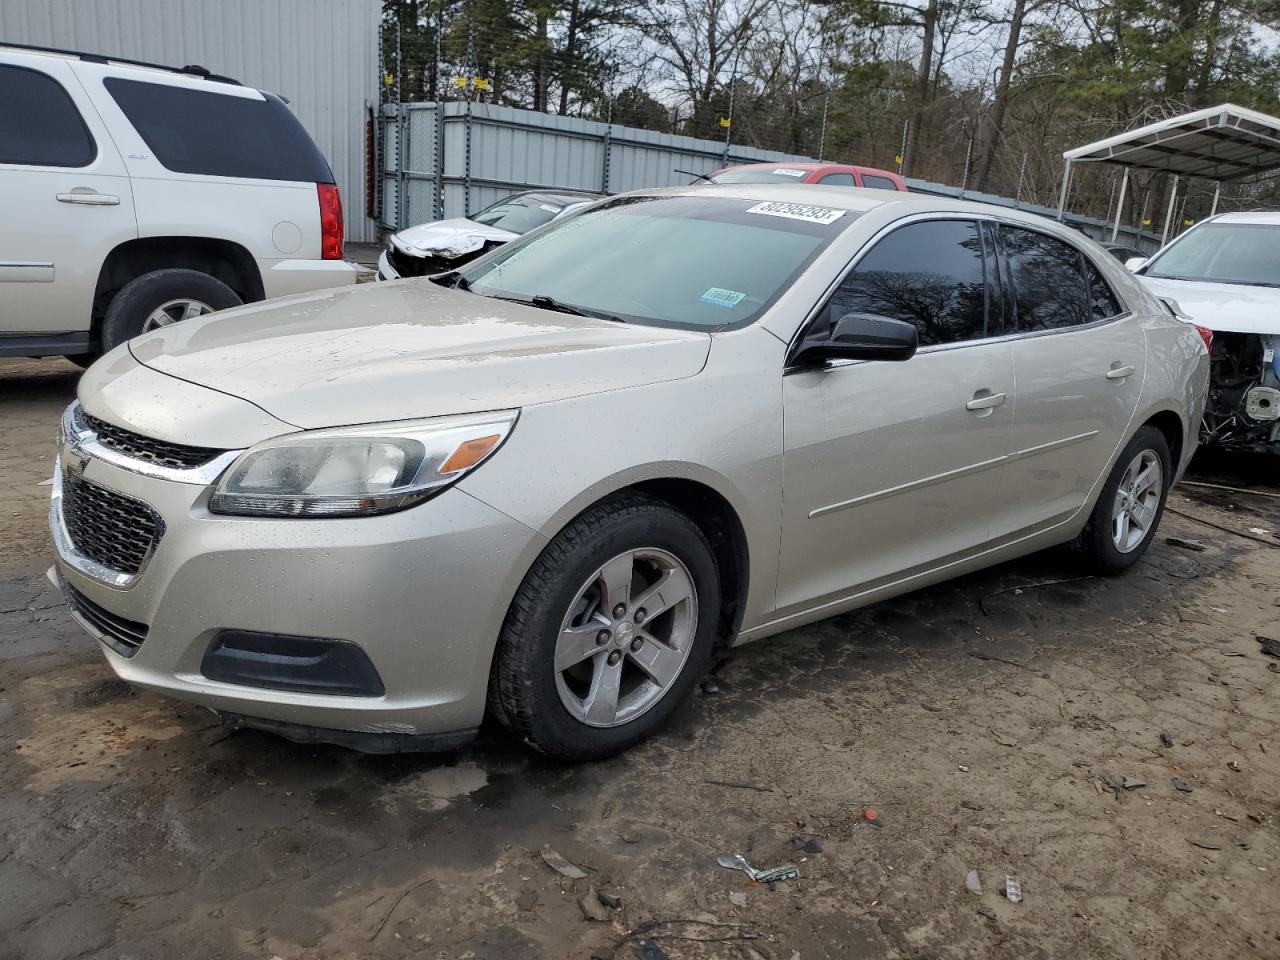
(134, 196)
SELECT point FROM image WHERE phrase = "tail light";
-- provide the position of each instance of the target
(1206, 335)
(330, 221)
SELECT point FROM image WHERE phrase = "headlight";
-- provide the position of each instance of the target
(358, 471)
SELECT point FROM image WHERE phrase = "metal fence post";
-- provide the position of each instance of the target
(822, 139)
(608, 144)
(437, 200)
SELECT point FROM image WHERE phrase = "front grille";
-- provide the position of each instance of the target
(107, 527)
(121, 635)
(410, 266)
(158, 452)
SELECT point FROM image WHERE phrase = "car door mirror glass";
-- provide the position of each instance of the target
(1134, 264)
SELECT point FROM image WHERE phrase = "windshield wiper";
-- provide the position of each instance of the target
(543, 302)
(700, 176)
(454, 279)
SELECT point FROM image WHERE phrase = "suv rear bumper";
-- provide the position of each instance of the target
(281, 278)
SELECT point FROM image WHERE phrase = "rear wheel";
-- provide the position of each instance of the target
(162, 298)
(611, 628)
(1124, 520)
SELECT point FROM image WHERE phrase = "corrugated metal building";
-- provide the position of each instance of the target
(320, 54)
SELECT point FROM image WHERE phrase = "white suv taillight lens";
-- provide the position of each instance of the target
(330, 221)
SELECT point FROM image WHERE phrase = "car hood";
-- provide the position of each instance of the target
(450, 238)
(411, 348)
(1225, 307)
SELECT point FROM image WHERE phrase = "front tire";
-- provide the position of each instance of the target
(609, 631)
(1129, 508)
(161, 298)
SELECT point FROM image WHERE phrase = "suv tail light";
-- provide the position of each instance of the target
(330, 221)
(1206, 335)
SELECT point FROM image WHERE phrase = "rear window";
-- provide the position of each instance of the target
(219, 135)
(39, 125)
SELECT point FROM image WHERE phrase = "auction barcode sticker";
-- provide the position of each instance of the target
(790, 172)
(797, 211)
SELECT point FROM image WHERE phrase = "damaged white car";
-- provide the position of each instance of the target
(1224, 274)
(443, 245)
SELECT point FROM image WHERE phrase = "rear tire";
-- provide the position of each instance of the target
(142, 300)
(1129, 508)
(632, 569)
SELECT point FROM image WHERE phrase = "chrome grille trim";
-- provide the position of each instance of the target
(78, 437)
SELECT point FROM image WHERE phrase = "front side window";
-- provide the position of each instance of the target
(1048, 287)
(519, 214)
(1223, 253)
(697, 262)
(931, 274)
(39, 125)
(219, 134)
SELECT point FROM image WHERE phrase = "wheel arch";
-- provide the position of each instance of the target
(222, 259)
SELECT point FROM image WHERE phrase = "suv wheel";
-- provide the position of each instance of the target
(610, 630)
(161, 298)
(1124, 520)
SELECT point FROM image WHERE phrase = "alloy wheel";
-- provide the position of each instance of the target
(626, 637)
(173, 312)
(1137, 501)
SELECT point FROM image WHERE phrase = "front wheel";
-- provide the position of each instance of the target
(610, 630)
(1124, 520)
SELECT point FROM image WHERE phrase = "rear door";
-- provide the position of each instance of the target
(891, 467)
(65, 199)
(1080, 359)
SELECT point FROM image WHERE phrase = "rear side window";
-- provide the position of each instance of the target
(39, 125)
(1049, 288)
(878, 183)
(838, 180)
(1103, 304)
(218, 134)
(931, 274)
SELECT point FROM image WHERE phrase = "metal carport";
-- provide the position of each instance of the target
(1218, 143)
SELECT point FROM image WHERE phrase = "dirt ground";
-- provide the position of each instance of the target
(980, 719)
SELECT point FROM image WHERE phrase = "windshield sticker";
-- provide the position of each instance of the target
(790, 172)
(549, 208)
(719, 297)
(797, 211)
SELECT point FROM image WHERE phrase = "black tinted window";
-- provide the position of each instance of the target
(929, 274)
(879, 183)
(839, 180)
(1103, 304)
(1049, 289)
(219, 134)
(39, 125)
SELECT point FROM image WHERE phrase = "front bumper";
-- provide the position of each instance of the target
(422, 592)
(385, 270)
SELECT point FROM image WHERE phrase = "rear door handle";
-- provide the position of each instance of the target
(1118, 372)
(985, 400)
(89, 198)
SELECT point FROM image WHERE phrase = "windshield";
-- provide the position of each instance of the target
(1223, 253)
(694, 262)
(519, 214)
(768, 175)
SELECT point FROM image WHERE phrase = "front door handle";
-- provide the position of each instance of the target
(1118, 371)
(985, 400)
(90, 198)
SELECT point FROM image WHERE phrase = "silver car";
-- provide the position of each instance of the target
(551, 484)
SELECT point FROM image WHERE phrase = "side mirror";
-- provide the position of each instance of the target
(1134, 264)
(861, 336)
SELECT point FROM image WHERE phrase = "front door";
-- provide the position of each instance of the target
(66, 201)
(891, 467)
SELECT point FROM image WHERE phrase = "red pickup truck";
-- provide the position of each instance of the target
(831, 174)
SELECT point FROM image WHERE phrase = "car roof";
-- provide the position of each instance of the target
(1268, 217)
(808, 165)
(859, 199)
